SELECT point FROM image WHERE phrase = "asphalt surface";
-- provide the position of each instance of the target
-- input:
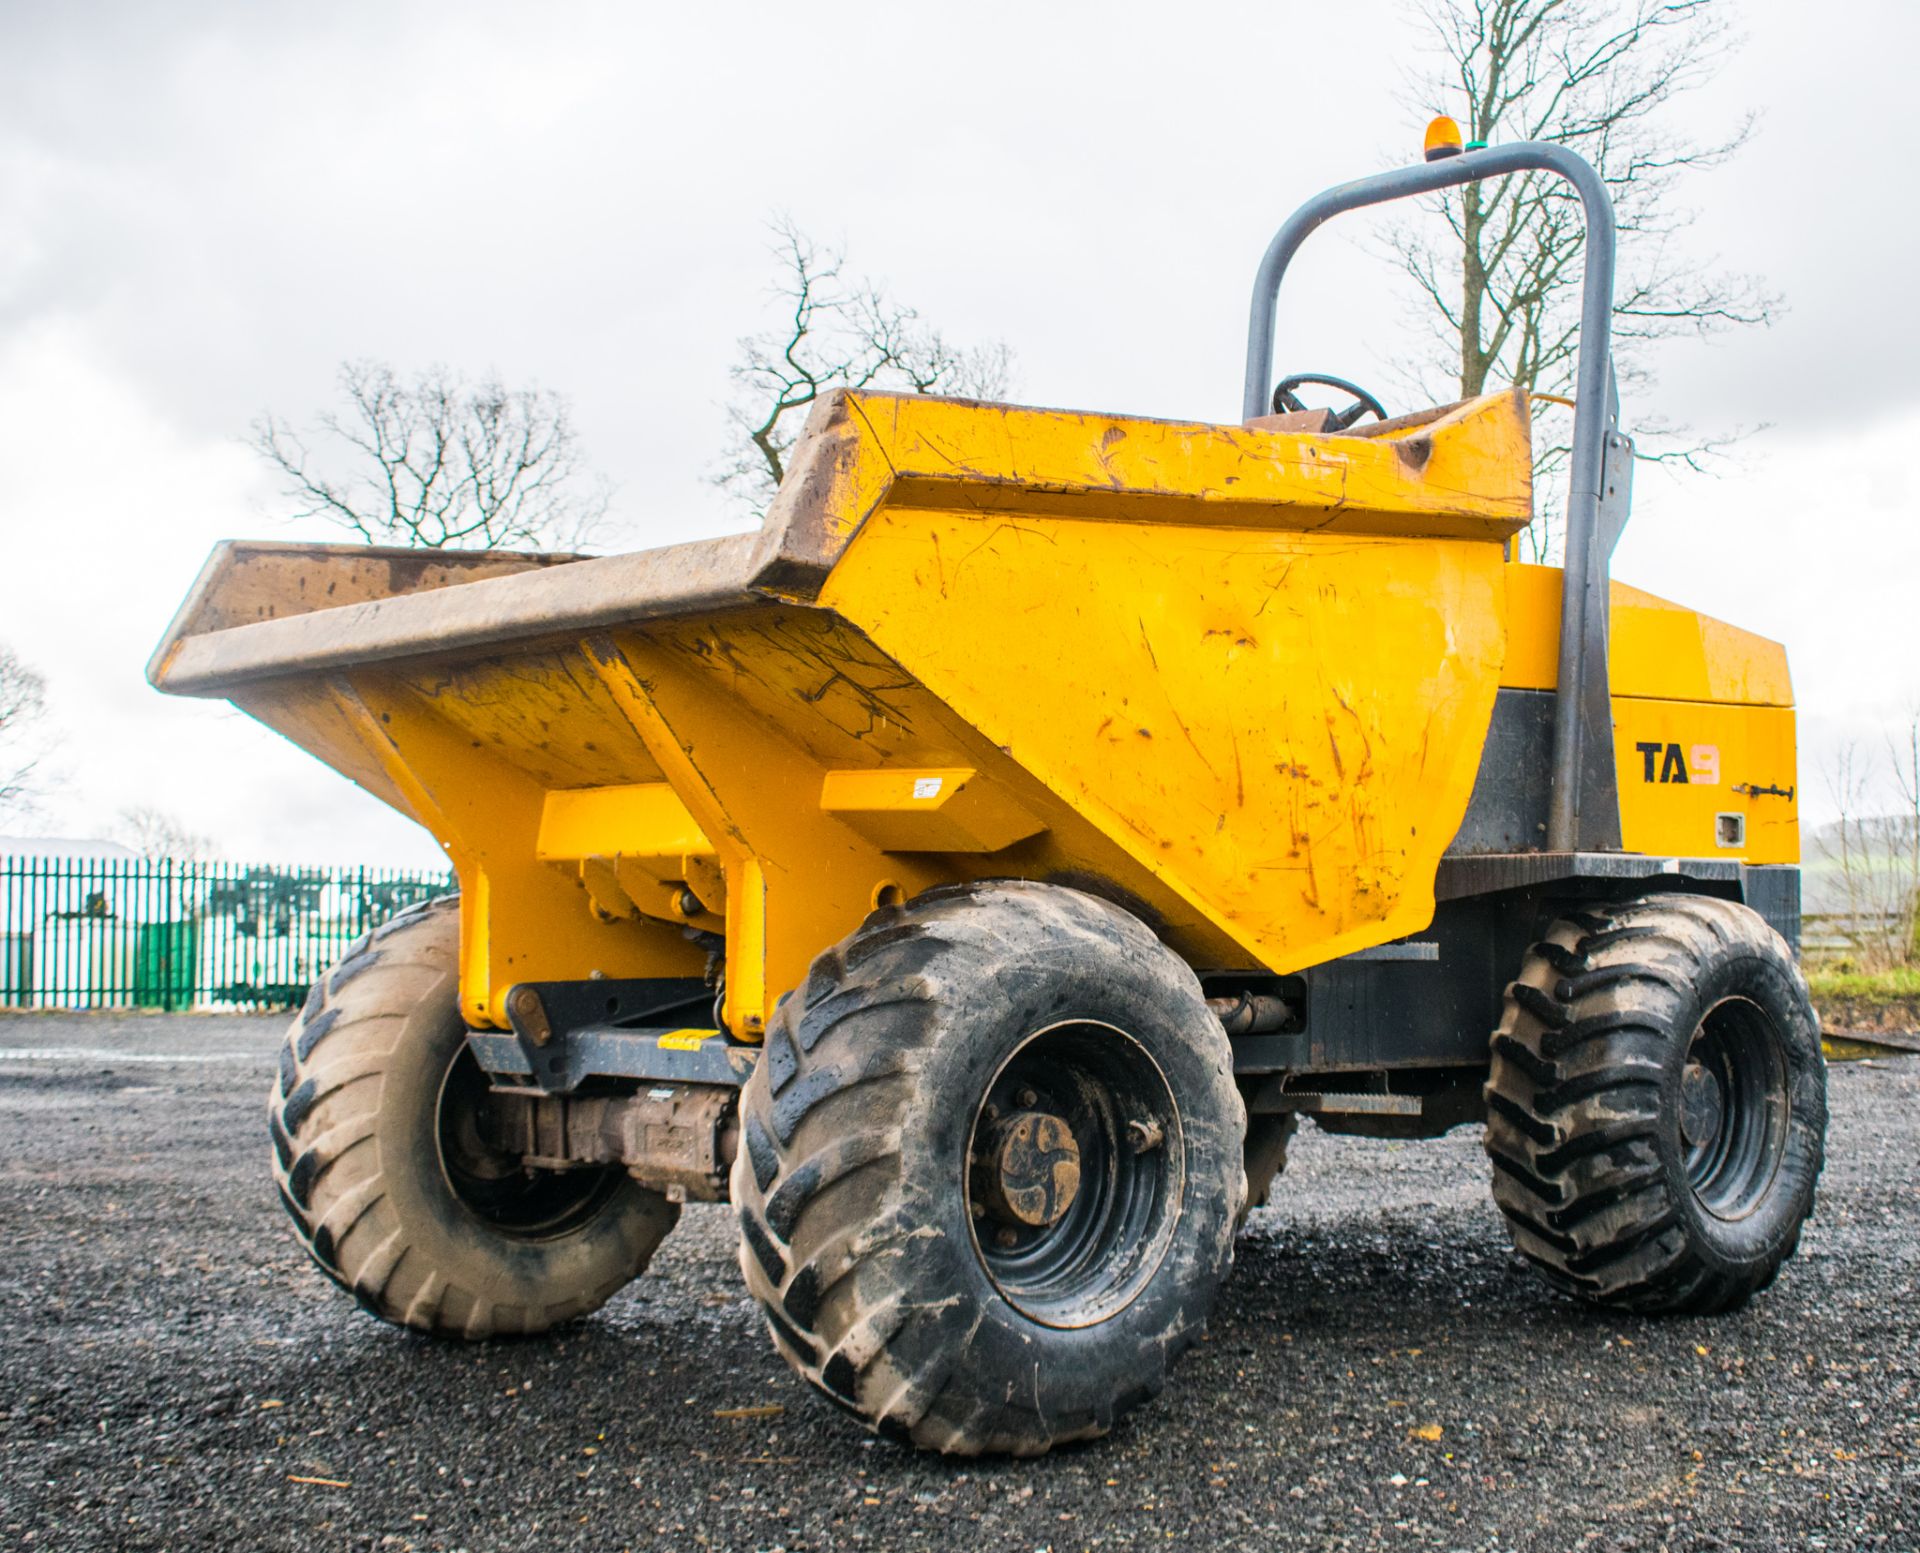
(1380, 1371)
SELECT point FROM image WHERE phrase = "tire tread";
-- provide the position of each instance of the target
(1574, 1102)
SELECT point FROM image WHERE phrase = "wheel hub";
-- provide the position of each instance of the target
(1074, 1173)
(1702, 1105)
(1032, 1169)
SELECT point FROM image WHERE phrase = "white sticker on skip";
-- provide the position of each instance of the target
(927, 787)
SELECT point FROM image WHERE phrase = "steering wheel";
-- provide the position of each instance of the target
(1285, 400)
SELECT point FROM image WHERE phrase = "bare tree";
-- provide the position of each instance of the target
(840, 332)
(439, 462)
(155, 834)
(1501, 293)
(23, 703)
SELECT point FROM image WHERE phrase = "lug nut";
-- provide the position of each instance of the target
(1006, 1239)
(1028, 1098)
(1145, 1136)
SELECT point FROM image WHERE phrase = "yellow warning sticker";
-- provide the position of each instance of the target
(682, 1040)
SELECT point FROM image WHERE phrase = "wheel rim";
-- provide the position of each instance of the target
(494, 1185)
(1075, 1166)
(1733, 1108)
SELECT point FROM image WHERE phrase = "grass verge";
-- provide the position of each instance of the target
(1843, 984)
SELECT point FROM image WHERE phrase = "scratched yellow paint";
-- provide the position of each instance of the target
(1283, 727)
(520, 919)
(1465, 475)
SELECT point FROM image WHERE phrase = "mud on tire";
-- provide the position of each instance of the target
(858, 1183)
(380, 1168)
(1656, 1109)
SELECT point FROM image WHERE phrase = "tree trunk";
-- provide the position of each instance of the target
(1473, 288)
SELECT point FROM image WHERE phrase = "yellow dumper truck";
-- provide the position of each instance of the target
(975, 874)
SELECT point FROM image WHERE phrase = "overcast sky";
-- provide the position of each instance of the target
(205, 208)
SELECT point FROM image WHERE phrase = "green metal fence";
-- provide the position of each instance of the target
(132, 933)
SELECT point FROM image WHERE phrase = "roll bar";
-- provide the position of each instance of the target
(1584, 810)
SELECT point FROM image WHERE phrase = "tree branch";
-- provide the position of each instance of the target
(837, 333)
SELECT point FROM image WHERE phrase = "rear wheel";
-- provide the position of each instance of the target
(990, 1168)
(1656, 1110)
(1268, 1139)
(383, 1163)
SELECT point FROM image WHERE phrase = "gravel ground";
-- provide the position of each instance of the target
(1380, 1372)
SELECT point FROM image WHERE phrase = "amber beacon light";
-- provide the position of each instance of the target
(1443, 139)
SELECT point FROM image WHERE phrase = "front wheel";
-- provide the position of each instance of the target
(383, 1161)
(990, 1168)
(1657, 1105)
